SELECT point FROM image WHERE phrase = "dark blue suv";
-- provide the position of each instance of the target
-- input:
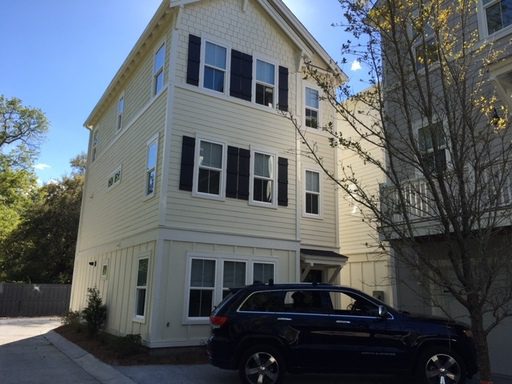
(267, 330)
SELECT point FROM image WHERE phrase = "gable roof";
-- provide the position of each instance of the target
(276, 9)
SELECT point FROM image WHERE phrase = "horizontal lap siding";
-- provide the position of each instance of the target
(239, 126)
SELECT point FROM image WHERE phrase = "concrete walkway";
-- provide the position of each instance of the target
(31, 353)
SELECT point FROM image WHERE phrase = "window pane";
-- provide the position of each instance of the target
(200, 303)
(159, 59)
(234, 274)
(215, 55)
(499, 16)
(209, 181)
(159, 82)
(213, 79)
(263, 165)
(311, 118)
(312, 203)
(141, 301)
(203, 273)
(264, 72)
(264, 302)
(312, 181)
(263, 272)
(142, 273)
(210, 155)
(120, 105)
(264, 95)
(262, 190)
(152, 155)
(312, 98)
(150, 183)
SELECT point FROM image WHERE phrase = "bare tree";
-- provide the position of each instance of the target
(445, 209)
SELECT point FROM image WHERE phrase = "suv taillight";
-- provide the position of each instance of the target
(218, 321)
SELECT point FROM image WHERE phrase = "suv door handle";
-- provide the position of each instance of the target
(284, 319)
(342, 322)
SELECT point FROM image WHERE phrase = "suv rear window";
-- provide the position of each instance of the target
(269, 301)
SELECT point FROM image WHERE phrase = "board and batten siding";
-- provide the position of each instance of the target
(235, 125)
(117, 288)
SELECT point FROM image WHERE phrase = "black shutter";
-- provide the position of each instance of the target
(232, 173)
(187, 163)
(244, 160)
(194, 59)
(241, 75)
(282, 182)
(283, 89)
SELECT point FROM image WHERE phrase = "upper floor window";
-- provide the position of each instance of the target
(263, 178)
(432, 144)
(120, 112)
(95, 139)
(312, 108)
(312, 198)
(210, 168)
(215, 62)
(265, 83)
(158, 70)
(151, 162)
(498, 14)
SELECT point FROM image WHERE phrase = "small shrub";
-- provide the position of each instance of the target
(95, 313)
(72, 318)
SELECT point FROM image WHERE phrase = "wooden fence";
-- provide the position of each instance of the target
(33, 300)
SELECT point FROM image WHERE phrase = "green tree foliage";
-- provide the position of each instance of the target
(95, 313)
(42, 247)
(21, 131)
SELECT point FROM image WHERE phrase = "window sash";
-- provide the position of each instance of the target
(263, 178)
(151, 161)
(498, 14)
(158, 69)
(210, 168)
(141, 287)
(265, 72)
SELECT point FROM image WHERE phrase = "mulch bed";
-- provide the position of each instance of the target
(107, 348)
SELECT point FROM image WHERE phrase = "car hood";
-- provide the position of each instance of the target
(416, 317)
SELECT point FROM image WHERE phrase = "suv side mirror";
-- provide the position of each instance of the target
(383, 311)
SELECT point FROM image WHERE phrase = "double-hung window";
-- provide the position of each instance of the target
(498, 14)
(95, 140)
(263, 272)
(158, 70)
(141, 289)
(312, 108)
(312, 190)
(210, 171)
(432, 144)
(265, 83)
(202, 285)
(234, 273)
(151, 163)
(215, 59)
(120, 112)
(263, 178)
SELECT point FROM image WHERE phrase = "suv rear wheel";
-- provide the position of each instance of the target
(441, 365)
(261, 364)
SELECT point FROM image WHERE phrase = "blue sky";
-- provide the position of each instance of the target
(60, 55)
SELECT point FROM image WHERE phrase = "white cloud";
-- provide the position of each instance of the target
(356, 65)
(42, 166)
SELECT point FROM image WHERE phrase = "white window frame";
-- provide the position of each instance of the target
(148, 169)
(482, 21)
(218, 288)
(137, 317)
(227, 71)
(114, 178)
(222, 181)
(424, 124)
(313, 109)
(319, 194)
(274, 179)
(157, 72)
(120, 112)
(254, 81)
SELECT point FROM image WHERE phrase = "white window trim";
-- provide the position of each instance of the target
(223, 44)
(153, 139)
(219, 281)
(273, 204)
(222, 182)
(138, 318)
(120, 115)
(319, 121)
(482, 23)
(154, 92)
(268, 60)
(320, 199)
(423, 124)
(112, 176)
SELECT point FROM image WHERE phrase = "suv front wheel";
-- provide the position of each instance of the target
(261, 364)
(441, 365)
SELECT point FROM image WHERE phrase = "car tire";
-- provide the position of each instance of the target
(261, 364)
(440, 365)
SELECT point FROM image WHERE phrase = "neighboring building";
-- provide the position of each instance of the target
(195, 181)
(425, 141)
